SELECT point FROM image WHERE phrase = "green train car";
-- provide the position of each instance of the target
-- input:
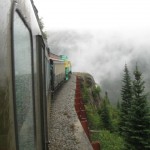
(67, 64)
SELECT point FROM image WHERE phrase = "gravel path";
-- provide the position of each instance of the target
(66, 132)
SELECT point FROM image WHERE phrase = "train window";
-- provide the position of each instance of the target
(47, 75)
(23, 84)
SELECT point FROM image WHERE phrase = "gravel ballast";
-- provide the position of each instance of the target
(65, 130)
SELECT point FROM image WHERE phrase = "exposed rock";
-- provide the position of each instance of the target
(87, 81)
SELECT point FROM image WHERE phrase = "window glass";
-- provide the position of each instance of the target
(47, 75)
(43, 73)
(23, 85)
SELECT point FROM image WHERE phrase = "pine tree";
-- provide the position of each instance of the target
(140, 116)
(118, 104)
(106, 98)
(42, 28)
(105, 116)
(126, 94)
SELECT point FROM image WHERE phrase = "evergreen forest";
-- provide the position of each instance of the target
(125, 126)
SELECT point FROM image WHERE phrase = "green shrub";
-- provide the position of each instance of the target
(93, 117)
(85, 94)
(96, 91)
(108, 140)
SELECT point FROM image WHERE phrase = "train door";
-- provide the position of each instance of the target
(23, 89)
(42, 87)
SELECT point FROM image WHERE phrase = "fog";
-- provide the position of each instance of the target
(103, 54)
(100, 37)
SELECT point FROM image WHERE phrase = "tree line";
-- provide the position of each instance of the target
(129, 122)
(133, 117)
(134, 123)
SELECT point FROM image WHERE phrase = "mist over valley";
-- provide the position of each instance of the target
(104, 54)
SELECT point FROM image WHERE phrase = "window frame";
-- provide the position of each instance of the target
(41, 48)
(17, 9)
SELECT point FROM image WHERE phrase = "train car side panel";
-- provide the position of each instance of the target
(59, 73)
(7, 132)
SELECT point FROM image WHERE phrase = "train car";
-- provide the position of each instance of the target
(68, 67)
(57, 71)
(24, 78)
(29, 72)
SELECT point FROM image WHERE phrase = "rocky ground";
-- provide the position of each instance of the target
(66, 132)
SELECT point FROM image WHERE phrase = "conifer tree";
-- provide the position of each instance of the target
(105, 116)
(126, 94)
(140, 116)
(106, 98)
(118, 104)
(42, 28)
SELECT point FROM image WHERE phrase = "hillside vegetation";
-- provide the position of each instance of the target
(98, 108)
(124, 127)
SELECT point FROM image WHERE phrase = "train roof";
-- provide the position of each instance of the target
(54, 59)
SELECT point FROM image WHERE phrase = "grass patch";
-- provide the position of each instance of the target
(93, 117)
(108, 140)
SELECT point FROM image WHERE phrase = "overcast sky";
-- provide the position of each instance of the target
(94, 14)
(100, 36)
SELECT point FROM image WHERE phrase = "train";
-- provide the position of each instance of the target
(29, 74)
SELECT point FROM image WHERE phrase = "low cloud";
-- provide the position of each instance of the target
(104, 54)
